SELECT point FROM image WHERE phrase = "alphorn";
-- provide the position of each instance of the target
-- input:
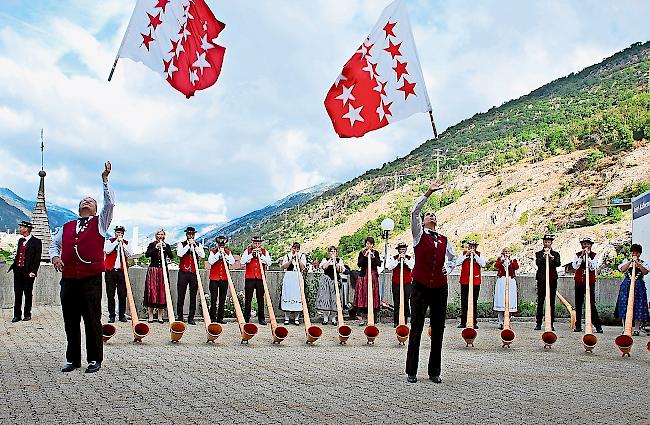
(469, 333)
(624, 342)
(371, 331)
(140, 330)
(507, 334)
(212, 330)
(247, 330)
(569, 307)
(344, 330)
(402, 330)
(548, 337)
(311, 332)
(589, 340)
(279, 333)
(176, 328)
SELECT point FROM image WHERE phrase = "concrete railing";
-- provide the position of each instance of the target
(46, 287)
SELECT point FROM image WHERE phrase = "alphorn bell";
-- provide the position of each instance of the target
(247, 330)
(589, 340)
(311, 332)
(402, 330)
(344, 330)
(212, 330)
(176, 328)
(507, 334)
(569, 307)
(624, 342)
(548, 337)
(140, 330)
(279, 333)
(371, 331)
(469, 333)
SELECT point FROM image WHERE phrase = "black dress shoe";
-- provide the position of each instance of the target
(69, 367)
(475, 326)
(93, 367)
(191, 322)
(412, 379)
(460, 326)
(111, 319)
(435, 379)
(577, 330)
(223, 322)
(599, 330)
(15, 319)
(123, 319)
(27, 318)
(262, 322)
(538, 328)
(500, 327)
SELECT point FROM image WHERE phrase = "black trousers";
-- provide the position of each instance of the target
(580, 302)
(82, 298)
(218, 290)
(541, 299)
(464, 293)
(115, 282)
(421, 298)
(185, 279)
(251, 285)
(407, 298)
(23, 286)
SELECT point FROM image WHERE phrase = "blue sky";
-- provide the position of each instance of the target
(261, 132)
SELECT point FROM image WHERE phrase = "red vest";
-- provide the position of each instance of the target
(187, 262)
(429, 262)
(464, 271)
(253, 266)
(109, 263)
(82, 254)
(580, 273)
(407, 272)
(501, 271)
(218, 269)
(21, 252)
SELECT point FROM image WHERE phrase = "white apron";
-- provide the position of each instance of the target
(500, 294)
(290, 300)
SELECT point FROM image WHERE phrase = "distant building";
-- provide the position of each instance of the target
(40, 221)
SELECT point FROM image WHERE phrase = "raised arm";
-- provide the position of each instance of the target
(106, 214)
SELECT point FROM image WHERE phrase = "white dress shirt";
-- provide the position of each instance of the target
(417, 230)
(392, 262)
(213, 258)
(578, 260)
(289, 258)
(182, 250)
(112, 246)
(477, 258)
(246, 258)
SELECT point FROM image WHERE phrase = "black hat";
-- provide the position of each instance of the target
(471, 242)
(26, 224)
(221, 240)
(548, 237)
(120, 229)
(401, 245)
(587, 239)
(190, 229)
(257, 239)
(295, 245)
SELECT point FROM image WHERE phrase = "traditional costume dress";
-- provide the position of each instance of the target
(580, 288)
(500, 287)
(219, 282)
(393, 264)
(114, 276)
(463, 260)
(154, 284)
(291, 300)
(253, 281)
(361, 289)
(326, 295)
(640, 294)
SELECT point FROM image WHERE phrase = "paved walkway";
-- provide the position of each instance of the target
(194, 382)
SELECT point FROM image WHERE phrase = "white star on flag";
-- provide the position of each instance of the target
(170, 71)
(205, 45)
(201, 62)
(354, 114)
(346, 95)
(194, 77)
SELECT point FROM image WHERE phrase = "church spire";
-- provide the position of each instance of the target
(40, 220)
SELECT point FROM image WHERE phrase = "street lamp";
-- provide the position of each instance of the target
(387, 225)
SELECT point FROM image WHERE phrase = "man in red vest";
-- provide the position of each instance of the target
(187, 273)
(218, 278)
(393, 264)
(434, 259)
(464, 261)
(580, 267)
(25, 267)
(114, 275)
(78, 252)
(253, 277)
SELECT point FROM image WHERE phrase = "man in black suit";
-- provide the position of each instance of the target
(25, 267)
(553, 263)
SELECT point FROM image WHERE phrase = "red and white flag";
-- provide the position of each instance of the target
(382, 82)
(177, 39)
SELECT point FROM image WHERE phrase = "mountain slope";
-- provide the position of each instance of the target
(9, 218)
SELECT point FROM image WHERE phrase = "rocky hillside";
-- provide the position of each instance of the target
(512, 173)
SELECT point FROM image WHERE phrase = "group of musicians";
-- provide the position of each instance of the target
(79, 250)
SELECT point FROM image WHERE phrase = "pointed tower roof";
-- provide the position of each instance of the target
(40, 221)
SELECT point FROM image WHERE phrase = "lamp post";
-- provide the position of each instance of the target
(387, 225)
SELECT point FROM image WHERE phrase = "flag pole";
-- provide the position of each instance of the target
(118, 57)
(433, 124)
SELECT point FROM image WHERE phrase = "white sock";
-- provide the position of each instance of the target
(501, 316)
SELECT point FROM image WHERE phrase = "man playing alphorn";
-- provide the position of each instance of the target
(187, 273)
(464, 262)
(253, 277)
(219, 278)
(553, 263)
(393, 263)
(580, 283)
(114, 275)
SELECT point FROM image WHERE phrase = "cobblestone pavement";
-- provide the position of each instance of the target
(227, 382)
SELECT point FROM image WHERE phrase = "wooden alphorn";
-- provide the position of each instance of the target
(247, 330)
(569, 307)
(176, 328)
(279, 333)
(548, 337)
(371, 331)
(344, 330)
(212, 330)
(624, 342)
(402, 330)
(589, 340)
(507, 334)
(311, 332)
(140, 330)
(469, 333)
